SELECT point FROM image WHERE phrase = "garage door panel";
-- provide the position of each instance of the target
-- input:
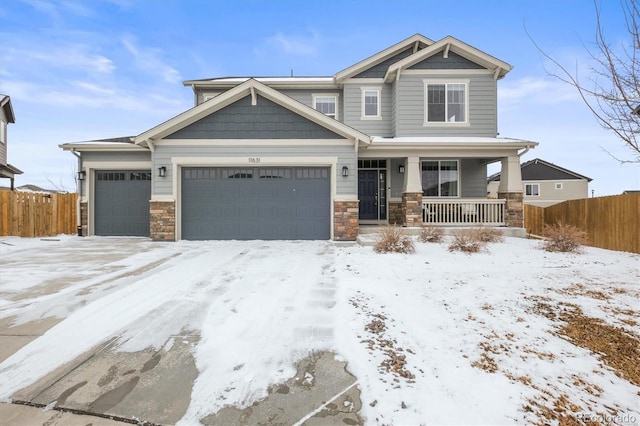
(121, 202)
(256, 203)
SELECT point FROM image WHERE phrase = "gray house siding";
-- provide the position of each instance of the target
(119, 159)
(306, 97)
(345, 154)
(266, 120)
(3, 144)
(438, 61)
(353, 110)
(411, 103)
(473, 174)
(379, 70)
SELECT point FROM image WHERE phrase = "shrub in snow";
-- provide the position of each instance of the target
(431, 234)
(563, 238)
(466, 240)
(391, 239)
(489, 235)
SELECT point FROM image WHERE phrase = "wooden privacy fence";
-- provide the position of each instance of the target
(30, 214)
(610, 222)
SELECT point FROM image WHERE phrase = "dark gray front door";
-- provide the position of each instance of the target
(371, 193)
(265, 203)
(122, 202)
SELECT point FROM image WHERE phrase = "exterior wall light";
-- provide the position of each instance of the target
(401, 168)
(82, 175)
(345, 171)
(162, 171)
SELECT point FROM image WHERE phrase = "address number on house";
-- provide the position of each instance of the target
(254, 160)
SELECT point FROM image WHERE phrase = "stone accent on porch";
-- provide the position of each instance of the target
(345, 220)
(396, 213)
(84, 219)
(514, 209)
(412, 208)
(162, 220)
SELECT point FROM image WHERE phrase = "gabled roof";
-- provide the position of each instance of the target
(5, 104)
(418, 41)
(446, 45)
(253, 88)
(123, 143)
(541, 170)
(275, 82)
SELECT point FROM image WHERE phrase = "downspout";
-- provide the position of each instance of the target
(78, 212)
(524, 152)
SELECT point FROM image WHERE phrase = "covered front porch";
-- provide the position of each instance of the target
(441, 183)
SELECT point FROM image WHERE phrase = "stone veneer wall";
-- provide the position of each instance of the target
(514, 209)
(345, 220)
(84, 218)
(396, 216)
(162, 220)
(412, 208)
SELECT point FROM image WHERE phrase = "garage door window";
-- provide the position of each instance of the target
(237, 174)
(110, 176)
(312, 174)
(140, 176)
(275, 174)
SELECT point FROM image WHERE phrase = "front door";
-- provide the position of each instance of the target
(372, 194)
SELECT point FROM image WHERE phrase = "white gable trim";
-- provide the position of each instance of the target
(387, 53)
(446, 45)
(249, 87)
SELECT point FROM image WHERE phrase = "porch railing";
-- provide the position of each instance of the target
(464, 211)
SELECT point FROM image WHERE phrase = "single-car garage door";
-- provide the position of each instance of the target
(265, 203)
(122, 202)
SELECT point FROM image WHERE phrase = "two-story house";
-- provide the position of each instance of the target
(6, 116)
(403, 136)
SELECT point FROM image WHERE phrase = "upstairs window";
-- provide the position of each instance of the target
(326, 104)
(532, 189)
(446, 102)
(370, 103)
(440, 178)
(3, 132)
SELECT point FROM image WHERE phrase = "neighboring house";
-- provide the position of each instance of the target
(403, 137)
(6, 116)
(545, 184)
(37, 189)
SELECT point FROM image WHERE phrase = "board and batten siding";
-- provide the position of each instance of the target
(410, 107)
(346, 156)
(353, 109)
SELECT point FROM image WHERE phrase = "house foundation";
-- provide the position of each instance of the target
(412, 208)
(84, 219)
(345, 220)
(162, 220)
(396, 215)
(514, 209)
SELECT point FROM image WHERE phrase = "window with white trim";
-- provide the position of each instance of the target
(558, 185)
(446, 102)
(326, 104)
(371, 102)
(440, 178)
(3, 132)
(532, 189)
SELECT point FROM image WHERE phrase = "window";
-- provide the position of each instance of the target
(440, 178)
(445, 102)
(558, 185)
(326, 104)
(370, 103)
(3, 132)
(532, 189)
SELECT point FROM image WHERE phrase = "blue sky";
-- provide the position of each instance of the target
(80, 70)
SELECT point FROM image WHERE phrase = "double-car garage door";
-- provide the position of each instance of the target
(266, 203)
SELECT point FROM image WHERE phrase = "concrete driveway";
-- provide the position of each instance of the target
(111, 330)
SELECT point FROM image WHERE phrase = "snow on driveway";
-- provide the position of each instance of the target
(433, 337)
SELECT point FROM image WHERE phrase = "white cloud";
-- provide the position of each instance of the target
(149, 60)
(536, 90)
(69, 57)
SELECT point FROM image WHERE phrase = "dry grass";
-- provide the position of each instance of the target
(489, 235)
(431, 234)
(563, 238)
(391, 239)
(466, 240)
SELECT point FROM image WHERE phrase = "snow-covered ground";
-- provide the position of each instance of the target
(433, 337)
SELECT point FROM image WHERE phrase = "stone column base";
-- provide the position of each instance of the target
(396, 213)
(162, 220)
(84, 219)
(514, 209)
(412, 208)
(345, 220)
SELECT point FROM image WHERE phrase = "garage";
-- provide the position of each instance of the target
(122, 202)
(246, 203)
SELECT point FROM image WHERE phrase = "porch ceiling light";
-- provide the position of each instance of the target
(401, 168)
(345, 171)
(82, 175)
(162, 171)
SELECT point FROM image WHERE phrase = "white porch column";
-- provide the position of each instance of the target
(510, 175)
(412, 175)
